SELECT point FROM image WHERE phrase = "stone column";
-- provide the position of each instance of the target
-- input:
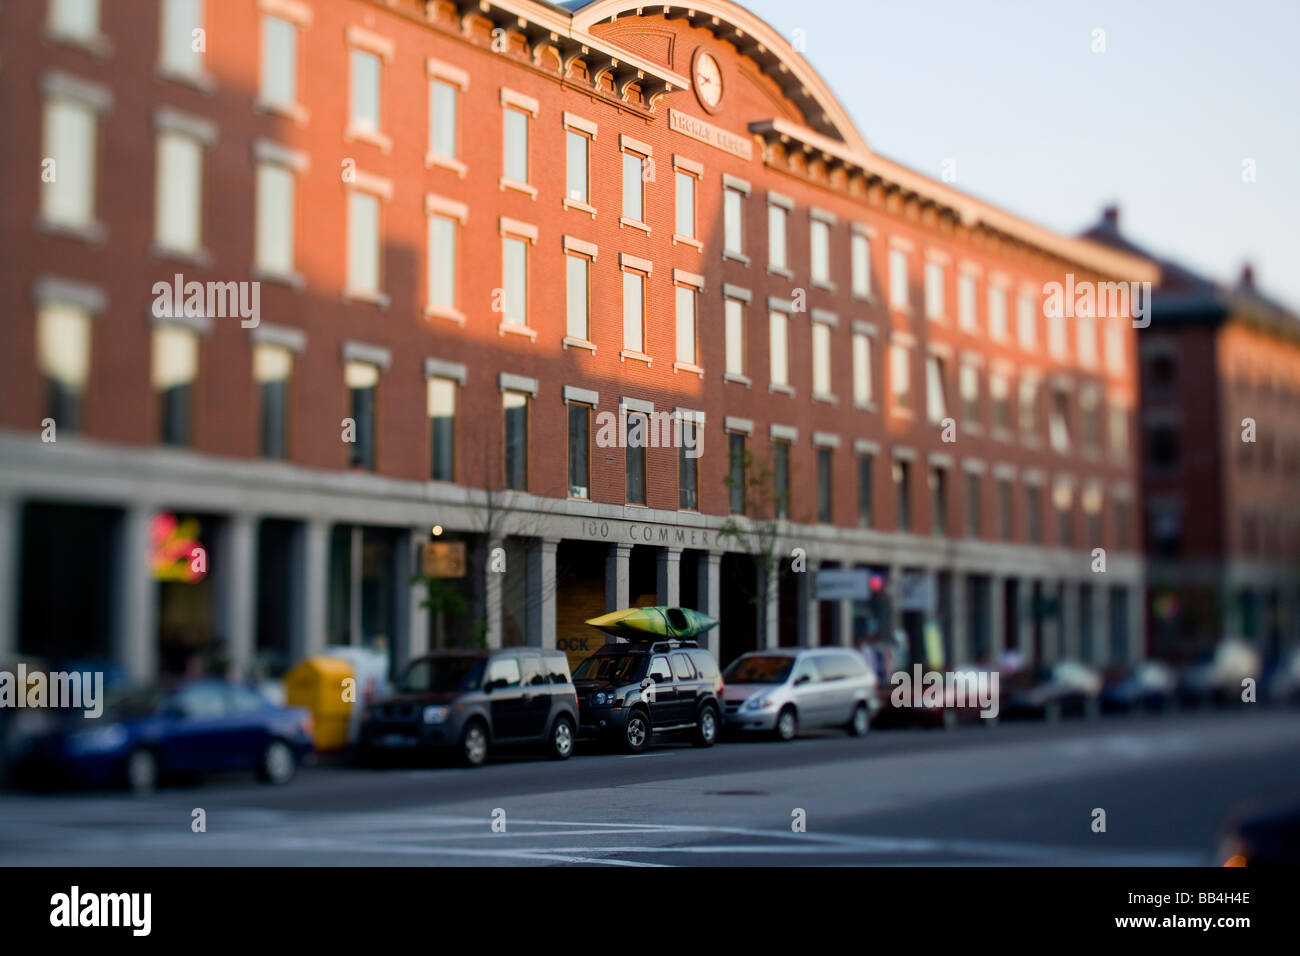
(135, 635)
(541, 592)
(418, 616)
(844, 623)
(997, 616)
(769, 618)
(618, 574)
(668, 576)
(237, 589)
(958, 637)
(1101, 622)
(10, 582)
(1137, 622)
(1025, 629)
(312, 588)
(1071, 639)
(493, 599)
(809, 620)
(709, 588)
(895, 590)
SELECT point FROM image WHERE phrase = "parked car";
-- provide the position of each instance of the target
(1149, 685)
(1217, 678)
(957, 701)
(636, 691)
(1282, 684)
(1066, 688)
(784, 690)
(471, 701)
(146, 736)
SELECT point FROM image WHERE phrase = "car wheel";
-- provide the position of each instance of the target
(561, 747)
(787, 724)
(860, 722)
(474, 744)
(142, 772)
(636, 734)
(706, 730)
(278, 763)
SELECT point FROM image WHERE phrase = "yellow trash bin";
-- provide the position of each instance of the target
(318, 684)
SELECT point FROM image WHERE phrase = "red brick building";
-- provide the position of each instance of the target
(1220, 445)
(471, 236)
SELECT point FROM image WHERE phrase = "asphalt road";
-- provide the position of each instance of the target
(1009, 794)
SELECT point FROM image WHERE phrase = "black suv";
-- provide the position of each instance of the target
(633, 691)
(468, 700)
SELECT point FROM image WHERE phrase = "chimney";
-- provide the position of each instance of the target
(1247, 280)
(1110, 216)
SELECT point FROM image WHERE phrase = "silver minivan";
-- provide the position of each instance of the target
(783, 689)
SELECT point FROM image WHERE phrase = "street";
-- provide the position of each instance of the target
(1013, 794)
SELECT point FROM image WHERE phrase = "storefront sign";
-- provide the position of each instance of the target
(443, 559)
(843, 584)
(664, 536)
(715, 136)
(916, 591)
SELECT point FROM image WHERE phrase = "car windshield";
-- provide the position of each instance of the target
(610, 667)
(442, 674)
(759, 669)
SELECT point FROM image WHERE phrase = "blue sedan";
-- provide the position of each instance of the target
(204, 727)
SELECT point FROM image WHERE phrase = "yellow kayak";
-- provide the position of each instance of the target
(644, 622)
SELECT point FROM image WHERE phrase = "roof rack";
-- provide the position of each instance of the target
(656, 643)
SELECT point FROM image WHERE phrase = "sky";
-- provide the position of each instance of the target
(1162, 123)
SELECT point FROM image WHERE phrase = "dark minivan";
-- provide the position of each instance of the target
(632, 691)
(470, 700)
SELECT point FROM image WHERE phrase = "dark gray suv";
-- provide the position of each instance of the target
(472, 700)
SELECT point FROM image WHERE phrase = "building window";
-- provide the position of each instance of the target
(638, 430)
(633, 312)
(732, 222)
(515, 406)
(934, 280)
(1090, 421)
(779, 326)
(272, 371)
(936, 389)
(1118, 432)
(974, 507)
(1115, 347)
(577, 298)
(178, 213)
(279, 85)
(63, 357)
(1086, 332)
(970, 393)
(862, 378)
(175, 367)
(1057, 335)
(899, 296)
(514, 281)
(1063, 500)
(442, 429)
(1163, 449)
(903, 494)
(781, 478)
(688, 470)
(366, 87)
(1059, 426)
(274, 237)
(362, 380)
(364, 276)
(70, 139)
(1005, 497)
(1026, 323)
(1034, 514)
(776, 237)
(633, 187)
(444, 123)
(179, 54)
(825, 497)
(442, 263)
(866, 491)
(821, 370)
(686, 325)
(74, 20)
(734, 317)
(736, 472)
(819, 241)
(939, 500)
(1028, 407)
(516, 145)
(900, 374)
(998, 330)
(1000, 393)
(579, 450)
(860, 256)
(1121, 517)
(1092, 510)
(685, 209)
(966, 300)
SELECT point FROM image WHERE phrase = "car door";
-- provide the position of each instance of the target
(535, 696)
(808, 693)
(195, 734)
(686, 680)
(248, 723)
(502, 685)
(662, 698)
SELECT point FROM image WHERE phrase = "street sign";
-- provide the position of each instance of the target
(837, 584)
(443, 559)
(916, 591)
